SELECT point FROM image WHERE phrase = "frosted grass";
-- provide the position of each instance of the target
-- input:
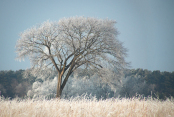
(86, 108)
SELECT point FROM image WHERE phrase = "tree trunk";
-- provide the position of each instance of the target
(59, 91)
(61, 85)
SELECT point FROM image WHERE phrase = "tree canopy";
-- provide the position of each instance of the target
(71, 43)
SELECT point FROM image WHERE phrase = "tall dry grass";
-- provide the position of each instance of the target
(86, 108)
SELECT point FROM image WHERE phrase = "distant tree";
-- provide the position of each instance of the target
(71, 43)
(2, 89)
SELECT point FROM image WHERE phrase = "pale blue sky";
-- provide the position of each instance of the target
(146, 27)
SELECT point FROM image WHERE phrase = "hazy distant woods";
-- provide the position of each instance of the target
(12, 83)
(139, 81)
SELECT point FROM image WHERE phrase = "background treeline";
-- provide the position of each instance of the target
(136, 81)
(156, 83)
(13, 84)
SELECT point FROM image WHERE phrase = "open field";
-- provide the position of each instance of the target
(87, 108)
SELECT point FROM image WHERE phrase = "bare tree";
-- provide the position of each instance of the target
(71, 43)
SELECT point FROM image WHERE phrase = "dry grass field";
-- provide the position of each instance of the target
(87, 108)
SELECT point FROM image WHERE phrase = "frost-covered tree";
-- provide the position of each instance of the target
(71, 43)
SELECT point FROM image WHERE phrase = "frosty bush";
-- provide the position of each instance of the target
(79, 84)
